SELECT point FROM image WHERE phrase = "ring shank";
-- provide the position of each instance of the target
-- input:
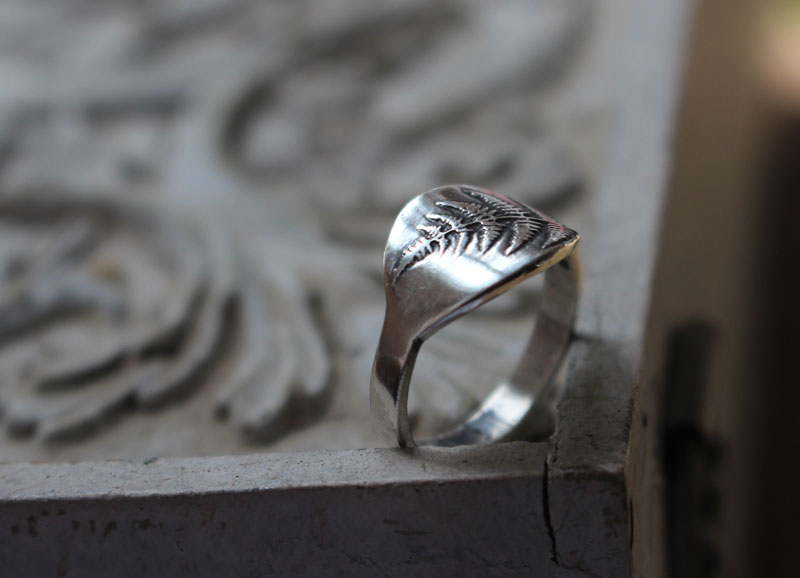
(516, 408)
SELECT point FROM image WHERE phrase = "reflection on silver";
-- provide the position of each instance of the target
(451, 250)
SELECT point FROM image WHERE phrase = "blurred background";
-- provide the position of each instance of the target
(195, 195)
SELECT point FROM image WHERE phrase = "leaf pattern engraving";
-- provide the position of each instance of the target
(475, 225)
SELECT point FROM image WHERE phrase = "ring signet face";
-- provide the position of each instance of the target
(470, 242)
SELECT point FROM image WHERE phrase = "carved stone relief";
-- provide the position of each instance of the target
(194, 199)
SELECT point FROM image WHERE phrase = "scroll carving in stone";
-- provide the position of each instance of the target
(193, 208)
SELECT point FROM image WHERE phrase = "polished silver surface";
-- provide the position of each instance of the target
(451, 250)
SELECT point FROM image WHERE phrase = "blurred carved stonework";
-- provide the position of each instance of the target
(194, 198)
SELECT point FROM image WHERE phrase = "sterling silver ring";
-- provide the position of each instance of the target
(451, 250)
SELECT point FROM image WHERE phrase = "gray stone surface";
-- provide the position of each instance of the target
(600, 131)
(222, 177)
(428, 512)
(588, 454)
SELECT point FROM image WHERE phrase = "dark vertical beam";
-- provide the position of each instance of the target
(691, 452)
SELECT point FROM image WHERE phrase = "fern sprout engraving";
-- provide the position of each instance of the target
(475, 225)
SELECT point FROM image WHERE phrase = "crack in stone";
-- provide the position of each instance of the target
(548, 522)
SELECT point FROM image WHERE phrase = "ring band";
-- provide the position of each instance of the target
(451, 250)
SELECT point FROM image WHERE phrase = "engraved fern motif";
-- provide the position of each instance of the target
(474, 225)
